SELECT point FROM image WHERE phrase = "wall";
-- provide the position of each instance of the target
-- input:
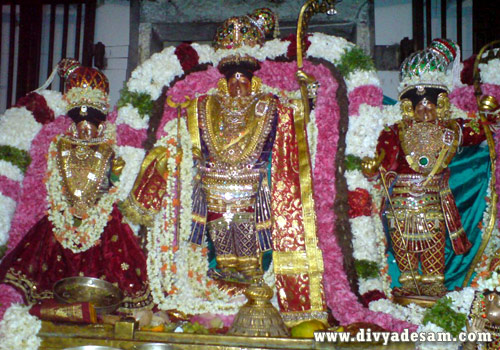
(112, 29)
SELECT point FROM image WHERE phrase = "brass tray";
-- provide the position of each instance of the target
(105, 297)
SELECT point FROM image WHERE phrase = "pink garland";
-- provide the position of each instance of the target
(125, 134)
(367, 94)
(10, 188)
(193, 85)
(32, 206)
(8, 296)
(464, 98)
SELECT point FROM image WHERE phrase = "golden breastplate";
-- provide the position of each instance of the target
(427, 145)
(235, 139)
(83, 167)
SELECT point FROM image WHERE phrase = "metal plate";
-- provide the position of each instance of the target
(103, 295)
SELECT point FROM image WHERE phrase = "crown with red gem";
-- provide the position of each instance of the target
(84, 86)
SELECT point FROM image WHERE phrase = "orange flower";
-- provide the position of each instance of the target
(210, 283)
(178, 159)
(164, 268)
(175, 248)
(207, 293)
(173, 268)
(72, 211)
(199, 277)
(194, 247)
(173, 290)
(109, 217)
(164, 248)
(85, 216)
(53, 153)
(190, 274)
(204, 251)
(113, 190)
(176, 202)
(172, 141)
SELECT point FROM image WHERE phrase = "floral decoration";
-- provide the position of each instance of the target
(19, 329)
(177, 269)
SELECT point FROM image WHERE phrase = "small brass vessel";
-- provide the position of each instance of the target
(105, 297)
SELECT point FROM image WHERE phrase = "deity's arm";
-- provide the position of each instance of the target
(144, 201)
(386, 153)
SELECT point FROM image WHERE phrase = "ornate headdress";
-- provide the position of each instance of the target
(244, 31)
(84, 87)
(425, 71)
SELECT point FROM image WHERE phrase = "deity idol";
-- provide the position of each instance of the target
(237, 133)
(412, 159)
(82, 233)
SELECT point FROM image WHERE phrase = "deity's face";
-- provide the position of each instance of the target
(492, 308)
(425, 111)
(86, 130)
(239, 85)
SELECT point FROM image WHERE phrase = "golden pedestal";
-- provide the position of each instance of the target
(258, 317)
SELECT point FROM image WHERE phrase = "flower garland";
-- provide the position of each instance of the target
(19, 329)
(177, 269)
(77, 238)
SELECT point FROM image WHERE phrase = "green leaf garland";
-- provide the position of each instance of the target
(16, 156)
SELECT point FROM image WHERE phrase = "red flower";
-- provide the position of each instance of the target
(188, 57)
(292, 48)
(370, 296)
(36, 104)
(360, 203)
(467, 71)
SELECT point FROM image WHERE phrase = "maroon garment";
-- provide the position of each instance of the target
(39, 261)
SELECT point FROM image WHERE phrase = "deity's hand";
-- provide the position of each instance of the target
(117, 166)
(476, 325)
(370, 166)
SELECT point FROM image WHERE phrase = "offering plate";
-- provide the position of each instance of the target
(105, 297)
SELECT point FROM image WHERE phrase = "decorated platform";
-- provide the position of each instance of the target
(124, 336)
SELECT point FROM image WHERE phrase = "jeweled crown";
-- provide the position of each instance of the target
(429, 67)
(84, 86)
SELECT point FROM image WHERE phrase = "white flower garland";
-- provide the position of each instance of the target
(19, 329)
(11, 171)
(178, 270)
(7, 209)
(129, 114)
(490, 72)
(133, 159)
(87, 234)
(360, 78)
(19, 128)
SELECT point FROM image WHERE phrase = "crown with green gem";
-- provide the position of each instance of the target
(429, 67)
